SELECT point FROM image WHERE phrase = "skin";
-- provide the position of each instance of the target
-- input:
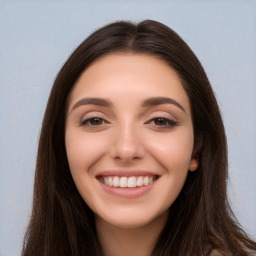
(129, 136)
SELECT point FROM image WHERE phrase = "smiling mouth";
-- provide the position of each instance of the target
(127, 182)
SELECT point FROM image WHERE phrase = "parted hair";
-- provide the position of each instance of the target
(200, 219)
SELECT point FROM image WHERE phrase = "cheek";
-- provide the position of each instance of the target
(83, 150)
(173, 153)
(175, 149)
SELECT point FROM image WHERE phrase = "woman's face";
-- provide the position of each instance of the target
(129, 138)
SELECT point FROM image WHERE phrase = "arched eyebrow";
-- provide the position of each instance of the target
(154, 101)
(92, 101)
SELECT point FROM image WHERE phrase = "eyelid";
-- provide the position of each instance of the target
(161, 114)
(167, 117)
(91, 115)
(84, 122)
(170, 122)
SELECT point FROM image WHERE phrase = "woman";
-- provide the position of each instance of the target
(132, 154)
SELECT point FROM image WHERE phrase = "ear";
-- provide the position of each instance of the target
(193, 164)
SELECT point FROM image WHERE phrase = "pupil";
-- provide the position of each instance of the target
(160, 121)
(96, 121)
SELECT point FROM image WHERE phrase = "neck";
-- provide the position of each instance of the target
(139, 241)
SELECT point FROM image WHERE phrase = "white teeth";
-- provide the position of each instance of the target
(140, 181)
(130, 182)
(116, 182)
(106, 180)
(110, 182)
(123, 182)
(146, 180)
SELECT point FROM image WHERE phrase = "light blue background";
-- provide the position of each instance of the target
(36, 37)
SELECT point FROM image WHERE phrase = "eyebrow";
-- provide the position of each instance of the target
(154, 101)
(92, 101)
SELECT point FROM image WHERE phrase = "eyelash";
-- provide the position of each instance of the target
(89, 121)
(164, 122)
(167, 122)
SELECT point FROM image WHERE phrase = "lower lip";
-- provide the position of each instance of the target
(128, 192)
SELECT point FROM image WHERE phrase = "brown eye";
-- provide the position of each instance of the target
(162, 122)
(94, 121)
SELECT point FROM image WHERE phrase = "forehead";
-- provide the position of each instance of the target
(128, 74)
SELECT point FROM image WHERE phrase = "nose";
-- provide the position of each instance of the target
(127, 144)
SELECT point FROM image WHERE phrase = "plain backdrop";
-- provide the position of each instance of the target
(36, 37)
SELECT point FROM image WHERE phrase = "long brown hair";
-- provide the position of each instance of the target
(200, 219)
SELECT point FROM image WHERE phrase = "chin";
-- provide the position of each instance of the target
(133, 219)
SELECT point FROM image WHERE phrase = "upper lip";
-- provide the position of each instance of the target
(127, 173)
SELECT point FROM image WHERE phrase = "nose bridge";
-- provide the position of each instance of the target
(127, 143)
